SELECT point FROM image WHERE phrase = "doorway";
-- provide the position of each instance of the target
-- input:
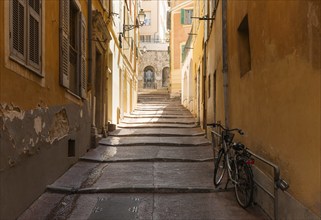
(165, 77)
(99, 92)
(149, 78)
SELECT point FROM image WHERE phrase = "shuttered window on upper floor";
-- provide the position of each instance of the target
(186, 16)
(25, 33)
(72, 48)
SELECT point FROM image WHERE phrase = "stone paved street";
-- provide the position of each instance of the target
(157, 164)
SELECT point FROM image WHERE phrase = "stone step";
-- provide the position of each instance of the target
(157, 125)
(157, 116)
(161, 112)
(156, 206)
(89, 177)
(147, 121)
(179, 109)
(156, 140)
(149, 154)
(157, 132)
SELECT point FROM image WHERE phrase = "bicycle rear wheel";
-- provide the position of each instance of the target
(219, 168)
(244, 184)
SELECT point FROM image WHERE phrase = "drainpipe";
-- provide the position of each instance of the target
(89, 42)
(204, 87)
(225, 64)
(90, 76)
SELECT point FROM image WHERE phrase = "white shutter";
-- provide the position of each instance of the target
(64, 42)
(18, 29)
(83, 75)
(34, 33)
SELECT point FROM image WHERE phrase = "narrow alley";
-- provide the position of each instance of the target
(156, 165)
(109, 109)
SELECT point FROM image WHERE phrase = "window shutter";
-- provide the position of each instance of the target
(18, 29)
(64, 43)
(182, 16)
(34, 35)
(83, 76)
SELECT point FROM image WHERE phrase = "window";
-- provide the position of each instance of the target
(244, 46)
(147, 20)
(25, 33)
(186, 16)
(145, 38)
(72, 48)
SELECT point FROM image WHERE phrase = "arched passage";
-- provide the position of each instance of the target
(165, 77)
(149, 77)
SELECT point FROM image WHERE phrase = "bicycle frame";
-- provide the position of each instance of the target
(227, 150)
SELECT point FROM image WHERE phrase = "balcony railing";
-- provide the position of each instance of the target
(155, 41)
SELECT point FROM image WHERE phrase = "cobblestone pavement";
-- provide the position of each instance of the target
(157, 164)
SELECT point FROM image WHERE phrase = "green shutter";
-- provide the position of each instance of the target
(182, 16)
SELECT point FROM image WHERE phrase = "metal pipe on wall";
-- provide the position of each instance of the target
(225, 64)
(89, 42)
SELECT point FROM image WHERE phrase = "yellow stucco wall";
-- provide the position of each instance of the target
(33, 147)
(277, 102)
(21, 86)
(214, 64)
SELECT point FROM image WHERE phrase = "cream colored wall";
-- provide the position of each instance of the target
(198, 53)
(214, 63)
(178, 36)
(151, 6)
(176, 81)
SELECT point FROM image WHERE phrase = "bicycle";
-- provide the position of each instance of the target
(234, 158)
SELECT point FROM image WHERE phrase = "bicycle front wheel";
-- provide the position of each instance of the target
(244, 184)
(219, 168)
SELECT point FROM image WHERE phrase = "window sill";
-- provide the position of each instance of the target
(73, 97)
(33, 70)
(74, 94)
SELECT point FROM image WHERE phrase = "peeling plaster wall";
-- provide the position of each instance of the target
(34, 150)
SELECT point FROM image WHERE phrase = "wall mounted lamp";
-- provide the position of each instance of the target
(140, 21)
(204, 18)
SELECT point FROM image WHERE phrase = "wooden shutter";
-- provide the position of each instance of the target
(18, 29)
(64, 42)
(34, 33)
(182, 16)
(83, 75)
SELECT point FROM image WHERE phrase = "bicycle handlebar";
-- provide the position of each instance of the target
(226, 129)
